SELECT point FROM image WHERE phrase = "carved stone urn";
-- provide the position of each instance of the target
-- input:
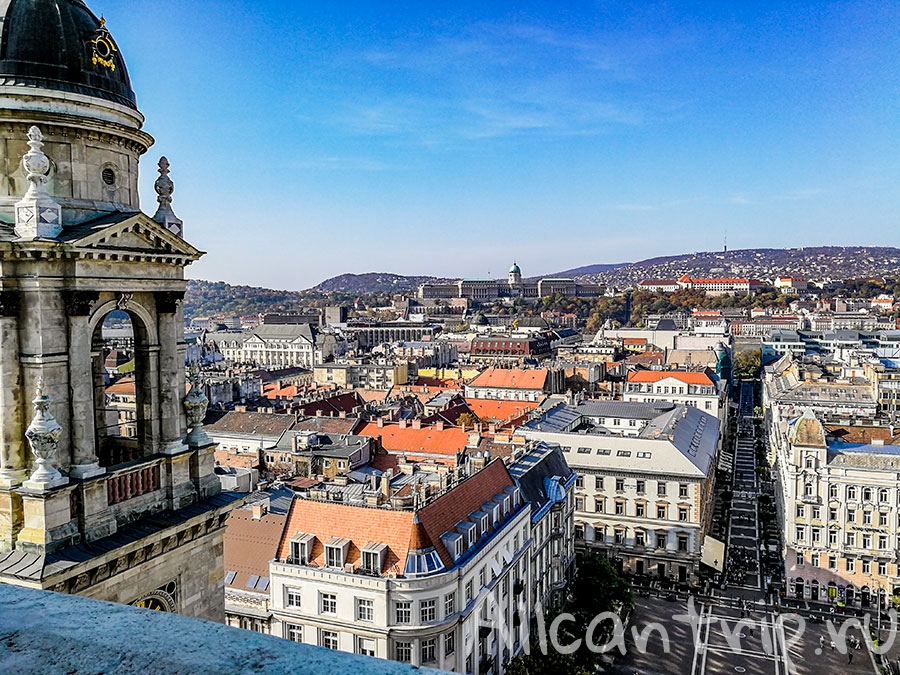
(43, 436)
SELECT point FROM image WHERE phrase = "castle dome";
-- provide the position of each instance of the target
(61, 45)
(515, 269)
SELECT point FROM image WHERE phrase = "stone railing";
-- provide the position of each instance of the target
(125, 486)
(56, 633)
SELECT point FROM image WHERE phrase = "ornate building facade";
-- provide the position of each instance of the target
(82, 510)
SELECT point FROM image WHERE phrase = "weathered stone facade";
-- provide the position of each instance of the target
(126, 519)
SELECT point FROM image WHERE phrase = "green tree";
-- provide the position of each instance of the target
(747, 365)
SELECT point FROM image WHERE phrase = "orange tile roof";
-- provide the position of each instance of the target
(634, 341)
(644, 376)
(123, 386)
(428, 440)
(512, 378)
(499, 411)
(397, 529)
(361, 525)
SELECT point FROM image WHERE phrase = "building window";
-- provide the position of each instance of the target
(579, 482)
(468, 591)
(851, 492)
(639, 538)
(403, 611)
(639, 509)
(683, 513)
(882, 569)
(851, 565)
(800, 510)
(867, 541)
(883, 496)
(882, 519)
(449, 644)
(814, 560)
(867, 494)
(449, 604)
(817, 535)
(293, 632)
(579, 503)
(403, 652)
(328, 639)
(866, 567)
(293, 597)
(683, 490)
(683, 543)
(800, 533)
(619, 537)
(882, 541)
(620, 484)
(334, 556)
(365, 646)
(661, 541)
(620, 508)
(660, 512)
(371, 561)
(428, 610)
(832, 491)
(867, 517)
(640, 487)
(427, 650)
(328, 603)
(365, 609)
(661, 489)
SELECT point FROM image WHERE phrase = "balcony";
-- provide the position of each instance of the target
(66, 633)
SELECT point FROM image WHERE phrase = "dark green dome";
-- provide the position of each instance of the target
(61, 45)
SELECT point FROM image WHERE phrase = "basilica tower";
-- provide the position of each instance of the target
(137, 518)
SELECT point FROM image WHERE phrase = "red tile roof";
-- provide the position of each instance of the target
(491, 410)
(123, 386)
(514, 378)
(428, 440)
(645, 376)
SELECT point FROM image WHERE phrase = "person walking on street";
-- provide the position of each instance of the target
(849, 657)
(832, 645)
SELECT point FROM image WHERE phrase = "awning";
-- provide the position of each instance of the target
(713, 553)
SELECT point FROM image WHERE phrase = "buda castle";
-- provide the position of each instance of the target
(511, 287)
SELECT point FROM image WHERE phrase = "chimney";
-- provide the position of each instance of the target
(342, 414)
(439, 425)
(402, 424)
(417, 424)
(492, 429)
(319, 412)
(259, 509)
(380, 422)
(386, 483)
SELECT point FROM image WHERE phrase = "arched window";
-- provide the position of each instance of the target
(120, 366)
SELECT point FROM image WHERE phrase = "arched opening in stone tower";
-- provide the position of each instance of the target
(121, 388)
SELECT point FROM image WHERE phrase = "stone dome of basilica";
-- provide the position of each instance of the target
(60, 45)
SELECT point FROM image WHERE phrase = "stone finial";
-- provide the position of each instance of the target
(164, 188)
(43, 436)
(38, 216)
(195, 406)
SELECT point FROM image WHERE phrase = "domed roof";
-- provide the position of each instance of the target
(808, 431)
(61, 45)
(515, 269)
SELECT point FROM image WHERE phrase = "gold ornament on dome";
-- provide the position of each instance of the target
(104, 47)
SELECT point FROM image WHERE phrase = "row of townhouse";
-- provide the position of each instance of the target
(407, 567)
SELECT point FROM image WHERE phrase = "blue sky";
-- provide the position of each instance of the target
(309, 139)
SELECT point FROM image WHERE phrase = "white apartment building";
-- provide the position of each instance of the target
(840, 503)
(280, 346)
(699, 389)
(646, 474)
(440, 579)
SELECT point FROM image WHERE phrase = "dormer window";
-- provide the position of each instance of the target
(301, 548)
(373, 557)
(469, 533)
(454, 543)
(336, 551)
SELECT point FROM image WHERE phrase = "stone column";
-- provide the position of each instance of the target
(81, 384)
(13, 460)
(171, 372)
